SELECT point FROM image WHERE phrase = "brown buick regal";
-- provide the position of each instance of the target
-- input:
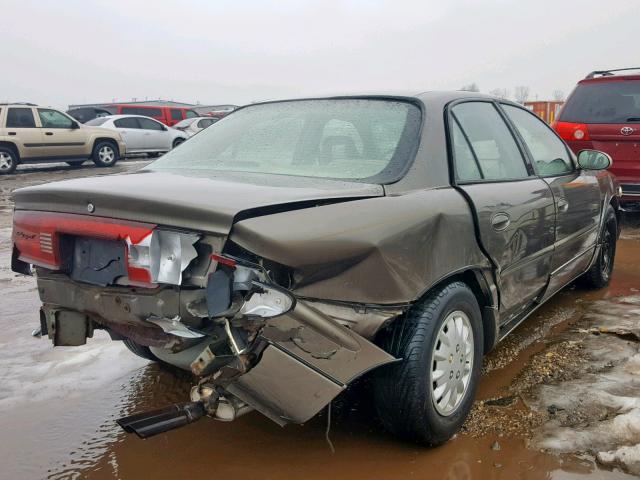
(296, 245)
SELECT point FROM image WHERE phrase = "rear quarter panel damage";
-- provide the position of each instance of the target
(388, 250)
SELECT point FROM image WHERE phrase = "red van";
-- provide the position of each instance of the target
(167, 115)
(603, 113)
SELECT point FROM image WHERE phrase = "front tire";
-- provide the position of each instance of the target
(599, 275)
(177, 142)
(426, 397)
(105, 154)
(8, 160)
(140, 350)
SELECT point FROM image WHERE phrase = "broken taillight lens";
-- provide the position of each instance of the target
(153, 255)
(37, 235)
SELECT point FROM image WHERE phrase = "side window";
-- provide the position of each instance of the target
(176, 114)
(550, 156)
(131, 122)
(53, 119)
(491, 141)
(148, 124)
(205, 123)
(20, 118)
(466, 163)
(190, 114)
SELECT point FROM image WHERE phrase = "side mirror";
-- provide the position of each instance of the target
(74, 125)
(594, 160)
(165, 128)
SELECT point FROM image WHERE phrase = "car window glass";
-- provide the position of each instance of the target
(205, 123)
(20, 118)
(149, 112)
(53, 119)
(190, 114)
(465, 162)
(360, 139)
(130, 122)
(176, 114)
(603, 102)
(148, 124)
(550, 156)
(491, 140)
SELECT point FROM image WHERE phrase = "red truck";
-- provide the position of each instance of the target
(167, 115)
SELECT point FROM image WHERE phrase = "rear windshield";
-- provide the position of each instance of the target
(351, 139)
(604, 102)
(97, 121)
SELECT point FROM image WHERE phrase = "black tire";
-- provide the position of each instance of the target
(599, 275)
(8, 160)
(403, 391)
(153, 154)
(177, 142)
(140, 350)
(105, 154)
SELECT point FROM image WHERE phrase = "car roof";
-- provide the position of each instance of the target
(115, 117)
(612, 75)
(435, 96)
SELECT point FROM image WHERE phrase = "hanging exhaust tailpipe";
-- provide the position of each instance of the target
(148, 424)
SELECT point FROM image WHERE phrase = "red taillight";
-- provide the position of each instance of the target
(37, 236)
(572, 131)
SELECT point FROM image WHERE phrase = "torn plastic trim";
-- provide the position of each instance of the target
(174, 326)
(163, 254)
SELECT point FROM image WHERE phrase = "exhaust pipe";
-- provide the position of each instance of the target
(148, 424)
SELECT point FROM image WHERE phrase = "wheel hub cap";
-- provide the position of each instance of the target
(5, 161)
(106, 154)
(451, 363)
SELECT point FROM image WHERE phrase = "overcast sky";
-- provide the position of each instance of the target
(219, 51)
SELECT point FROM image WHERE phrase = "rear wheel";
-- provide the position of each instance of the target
(8, 160)
(105, 154)
(599, 275)
(427, 396)
(139, 350)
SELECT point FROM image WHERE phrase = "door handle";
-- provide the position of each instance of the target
(500, 221)
(12, 133)
(563, 205)
(48, 133)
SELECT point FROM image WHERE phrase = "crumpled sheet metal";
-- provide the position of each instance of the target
(389, 253)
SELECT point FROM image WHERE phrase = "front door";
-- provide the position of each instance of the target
(514, 209)
(576, 193)
(61, 134)
(157, 137)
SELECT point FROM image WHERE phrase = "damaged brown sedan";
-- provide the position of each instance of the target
(296, 245)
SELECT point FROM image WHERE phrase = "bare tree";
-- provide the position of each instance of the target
(472, 87)
(558, 95)
(521, 93)
(500, 93)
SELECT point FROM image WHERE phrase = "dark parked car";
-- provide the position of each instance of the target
(603, 113)
(294, 246)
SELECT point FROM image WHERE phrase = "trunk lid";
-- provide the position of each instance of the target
(198, 201)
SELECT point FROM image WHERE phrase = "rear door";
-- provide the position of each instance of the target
(21, 126)
(60, 136)
(514, 209)
(576, 194)
(131, 132)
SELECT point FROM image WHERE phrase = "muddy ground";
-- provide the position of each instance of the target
(559, 398)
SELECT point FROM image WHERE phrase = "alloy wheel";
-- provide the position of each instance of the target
(6, 161)
(106, 154)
